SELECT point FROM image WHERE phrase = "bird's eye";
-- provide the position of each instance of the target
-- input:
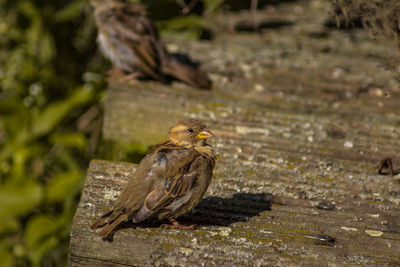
(190, 130)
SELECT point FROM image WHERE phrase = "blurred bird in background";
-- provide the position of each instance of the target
(130, 40)
(169, 181)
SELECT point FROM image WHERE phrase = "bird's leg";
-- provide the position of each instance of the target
(131, 76)
(119, 75)
(176, 225)
(115, 72)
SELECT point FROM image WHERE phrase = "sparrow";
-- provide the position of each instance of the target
(169, 181)
(130, 40)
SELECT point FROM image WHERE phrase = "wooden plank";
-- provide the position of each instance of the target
(155, 108)
(100, 190)
(241, 228)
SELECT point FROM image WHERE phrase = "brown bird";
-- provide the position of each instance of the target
(169, 181)
(130, 40)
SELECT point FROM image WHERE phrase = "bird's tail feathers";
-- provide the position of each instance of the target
(102, 221)
(108, 223)
(98, 223)
(187, 73)
(107, 229)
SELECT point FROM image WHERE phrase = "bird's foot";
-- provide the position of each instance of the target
(115, 73)
(176, 225)
(118, 75)
(131, 76)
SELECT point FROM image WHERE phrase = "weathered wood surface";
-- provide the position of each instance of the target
(241, 229)
(301, 112)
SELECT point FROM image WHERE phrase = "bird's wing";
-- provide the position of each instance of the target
(176, 179)
(140, 184)
(163, 169)
(137, 31)
(148, 177)
(131, 198)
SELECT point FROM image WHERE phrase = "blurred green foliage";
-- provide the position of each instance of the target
(52, 85)
(46, 86)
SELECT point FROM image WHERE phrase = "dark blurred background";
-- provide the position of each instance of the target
(53, 83)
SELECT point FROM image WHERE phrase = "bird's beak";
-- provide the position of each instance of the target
(204, 134)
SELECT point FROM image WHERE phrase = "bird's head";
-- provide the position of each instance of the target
(189, 133)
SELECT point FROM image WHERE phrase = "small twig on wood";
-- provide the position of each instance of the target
(387, 163)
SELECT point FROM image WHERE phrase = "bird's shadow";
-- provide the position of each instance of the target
(215, 211)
